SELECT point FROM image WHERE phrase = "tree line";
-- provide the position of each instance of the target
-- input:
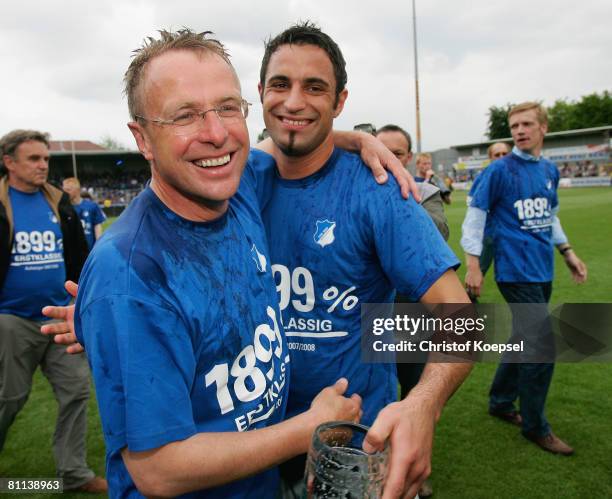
(590, 111)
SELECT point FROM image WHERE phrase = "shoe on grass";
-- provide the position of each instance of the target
(551, 443)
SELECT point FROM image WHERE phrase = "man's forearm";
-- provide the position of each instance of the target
(438, 382)
(440, 379)
(349, 141)
(210, 459)
(472, 262)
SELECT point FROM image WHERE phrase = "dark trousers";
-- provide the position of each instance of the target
(408, 376)
(529, 382)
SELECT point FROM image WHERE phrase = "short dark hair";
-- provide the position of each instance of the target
(395, 128)
(12, 140)
(307, 33)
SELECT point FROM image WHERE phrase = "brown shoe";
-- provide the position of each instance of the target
(426, 490)
(551, 443)
(97, 485)
(509, 417)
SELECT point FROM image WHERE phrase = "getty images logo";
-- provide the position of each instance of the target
(324, 233)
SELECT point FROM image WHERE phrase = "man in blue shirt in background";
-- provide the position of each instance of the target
(519, 194)
(41, 245)
(90, 214)
(424, 173)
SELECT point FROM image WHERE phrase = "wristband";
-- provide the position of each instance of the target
(565, 250)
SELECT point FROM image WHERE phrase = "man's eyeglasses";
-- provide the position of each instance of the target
(189, 121)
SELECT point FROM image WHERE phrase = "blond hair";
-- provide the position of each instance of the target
(423, 155)
(540, 110)
(74, 181)
(183, 39)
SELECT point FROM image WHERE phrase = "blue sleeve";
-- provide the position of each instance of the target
(410, 248)
(143, 366)
(556, 176)
(558, 235)
(261, 172)
(98, 215)
(485, 190)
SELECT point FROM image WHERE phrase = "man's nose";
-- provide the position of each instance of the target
(212, 129)
(295, 100)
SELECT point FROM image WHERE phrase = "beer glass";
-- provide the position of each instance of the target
(338, 467)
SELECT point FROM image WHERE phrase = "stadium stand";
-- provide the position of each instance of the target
(111, 177)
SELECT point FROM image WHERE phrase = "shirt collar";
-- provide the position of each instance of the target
(524, 155)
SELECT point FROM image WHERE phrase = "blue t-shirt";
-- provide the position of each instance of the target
(338, 240)
(183, 333)
(90, 215)
(519, 196)
(489, 227)
(36, 272)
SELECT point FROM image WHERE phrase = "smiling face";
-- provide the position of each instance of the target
(527, 132)
(28, 167)
(299, 98)
(194, 174)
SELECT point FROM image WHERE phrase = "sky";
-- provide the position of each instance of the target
(63, 61)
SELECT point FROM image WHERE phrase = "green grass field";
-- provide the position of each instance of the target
(475, 456)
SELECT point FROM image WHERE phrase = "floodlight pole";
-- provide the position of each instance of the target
(416, 79)
(74, 162)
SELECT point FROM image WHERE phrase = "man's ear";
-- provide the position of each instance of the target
(260, 90)
(340, 104)
(8, 161)
(142, 141)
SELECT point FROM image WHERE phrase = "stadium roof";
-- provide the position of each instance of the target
(101, 152)
(580, 131)
(74, 145)
(83, 148)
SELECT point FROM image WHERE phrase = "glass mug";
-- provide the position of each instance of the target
(338, 467)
